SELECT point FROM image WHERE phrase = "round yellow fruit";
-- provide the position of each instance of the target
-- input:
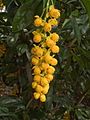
(37, 78)
(50, 70)
(54, 37)
(47, 27)
(38, 22)
(37, 70)
(50, 42)
(34, 84)
(47, 58)
(42, 98)
(45, 89)
(55, 13)
(55, 49)
(53, 61)
(45, 66)
(35, 61)
(36, 95)
(33, 50)
(37, 38)
(39, 88)
(49, 77)
(44, 81)
(39, 51)
(53, 22)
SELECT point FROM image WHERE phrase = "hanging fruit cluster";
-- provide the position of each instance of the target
(43, 52)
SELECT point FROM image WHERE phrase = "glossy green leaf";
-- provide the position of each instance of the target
(25, 15)
(87, 5)
(76, 30)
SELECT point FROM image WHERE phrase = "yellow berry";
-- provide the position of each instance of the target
(35, 60)
(37, 38)
(45, 65)
(55, 49)
(47, 27)
(49, 77)
(42, 98)
(37, 70)
(44, 81)
(39, 88)
(38, 22)
(33, 50)
(37, 78)
(54, 37)
(39, 52)
(50, 42)
(34, 84)
(53, 22)
(45, 89)
(36, 95)
(47, 58)
(50, 70)
(53, 61)
(55, 13)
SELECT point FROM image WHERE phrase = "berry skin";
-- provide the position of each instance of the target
(44, 81)
(37, 78)
(49, 77)
(36, 95)
(54, 13)
(55, 49)
(53, 61)
(45, 89)
(45, 66)
(54, 37)
(50, 70)
(38, 22)
(37, 38)
(47, 27)
(47, 58)
(39, 88)
(42, 98)
(35, 60)
(50, 42)
(33, 50)
(37, 70)
(34, 84)
(53, 22)
(38, 51)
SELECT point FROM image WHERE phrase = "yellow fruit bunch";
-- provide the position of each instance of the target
(44, 48)
(2, 49)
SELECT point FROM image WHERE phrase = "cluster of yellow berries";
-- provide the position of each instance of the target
(43, 51)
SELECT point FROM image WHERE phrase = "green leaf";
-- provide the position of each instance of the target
(76, 29)
(44, 3)
(24, 15)
(22, 48)
(87, 5)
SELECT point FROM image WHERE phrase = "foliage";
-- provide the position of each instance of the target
(69, 95)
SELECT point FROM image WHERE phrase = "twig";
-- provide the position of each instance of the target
(28, 104)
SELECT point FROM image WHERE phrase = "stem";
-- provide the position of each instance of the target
(52, 2)
(47, 7)
(28, 104)
(82, 98)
